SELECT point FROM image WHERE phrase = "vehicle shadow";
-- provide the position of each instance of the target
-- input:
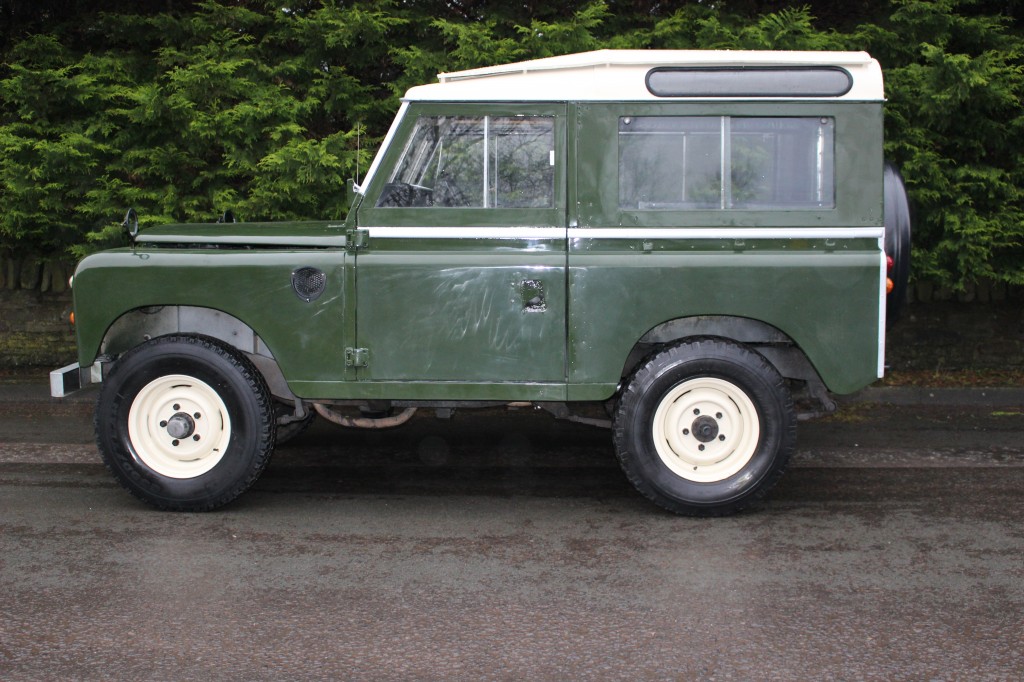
(481, 452)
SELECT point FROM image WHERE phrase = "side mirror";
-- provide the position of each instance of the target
(131, 224)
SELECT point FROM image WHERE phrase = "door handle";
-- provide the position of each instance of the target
(532, 293)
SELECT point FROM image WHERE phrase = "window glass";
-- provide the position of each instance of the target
(700, 163)
(476, 162)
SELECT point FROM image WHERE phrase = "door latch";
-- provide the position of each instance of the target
(356, 240)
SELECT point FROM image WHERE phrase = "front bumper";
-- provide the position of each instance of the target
(67, 380)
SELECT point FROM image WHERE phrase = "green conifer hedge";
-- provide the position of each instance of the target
(185, 109)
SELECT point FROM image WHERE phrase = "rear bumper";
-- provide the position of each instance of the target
(67, 380)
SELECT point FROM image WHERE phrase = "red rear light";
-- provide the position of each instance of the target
(889, 263)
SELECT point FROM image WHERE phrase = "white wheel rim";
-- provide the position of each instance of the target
(706, 430)
(165, 432)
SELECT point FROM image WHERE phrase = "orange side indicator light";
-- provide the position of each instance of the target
(889, 285)
(71, 317)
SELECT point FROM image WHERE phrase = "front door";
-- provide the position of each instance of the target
(460, 288)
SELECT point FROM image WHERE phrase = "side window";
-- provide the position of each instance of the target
(476, 162)
(723, 162)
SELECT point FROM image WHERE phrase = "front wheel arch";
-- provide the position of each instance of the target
(136, 327)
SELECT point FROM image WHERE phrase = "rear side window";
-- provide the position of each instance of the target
(726, 163)
(476, 162)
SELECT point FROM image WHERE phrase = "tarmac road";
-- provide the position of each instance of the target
(509, 546)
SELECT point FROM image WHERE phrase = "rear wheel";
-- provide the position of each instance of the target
(705, 428)
(185, 423)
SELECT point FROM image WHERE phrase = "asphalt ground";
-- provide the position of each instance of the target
(502, 544)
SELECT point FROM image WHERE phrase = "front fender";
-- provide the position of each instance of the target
(255, 286)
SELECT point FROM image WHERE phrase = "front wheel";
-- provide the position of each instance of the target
(705, 428)
(185, 423)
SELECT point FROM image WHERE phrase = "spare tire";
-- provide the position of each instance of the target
(897, 240)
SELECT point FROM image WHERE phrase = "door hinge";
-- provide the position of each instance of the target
(357, 357)
(356, 240)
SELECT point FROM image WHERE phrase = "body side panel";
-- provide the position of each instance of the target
(822, 289)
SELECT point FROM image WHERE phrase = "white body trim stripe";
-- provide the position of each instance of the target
(625, 233)
(882, 312)
(467, 232)
(728, 233)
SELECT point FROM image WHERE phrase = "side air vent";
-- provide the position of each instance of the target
(309, 283)
(749, 81)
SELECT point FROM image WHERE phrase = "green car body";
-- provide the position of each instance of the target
(558, 297)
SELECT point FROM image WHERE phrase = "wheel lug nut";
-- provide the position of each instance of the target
(721, 438)
(197, 415)
(718, 415)
(700, 447)
(163, 425)
(176, 407)
(696, 411)
(195, 437)
(174, 442)
(686, 432)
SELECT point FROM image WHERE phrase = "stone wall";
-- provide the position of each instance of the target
(952, 335)
(34, 306)
(981, 292)
(34, 329)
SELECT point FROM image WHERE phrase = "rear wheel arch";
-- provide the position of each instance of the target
(776, 346)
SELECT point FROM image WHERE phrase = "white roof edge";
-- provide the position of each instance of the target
(620, 75)
(654, 58)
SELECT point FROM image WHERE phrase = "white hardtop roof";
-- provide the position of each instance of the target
(610, 75)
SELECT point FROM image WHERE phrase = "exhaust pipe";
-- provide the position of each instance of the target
(364, 422)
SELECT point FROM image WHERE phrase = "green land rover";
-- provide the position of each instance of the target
(705, 244)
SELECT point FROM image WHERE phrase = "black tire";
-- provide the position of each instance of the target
(727, 422)
(202, 429)
(897, 240)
